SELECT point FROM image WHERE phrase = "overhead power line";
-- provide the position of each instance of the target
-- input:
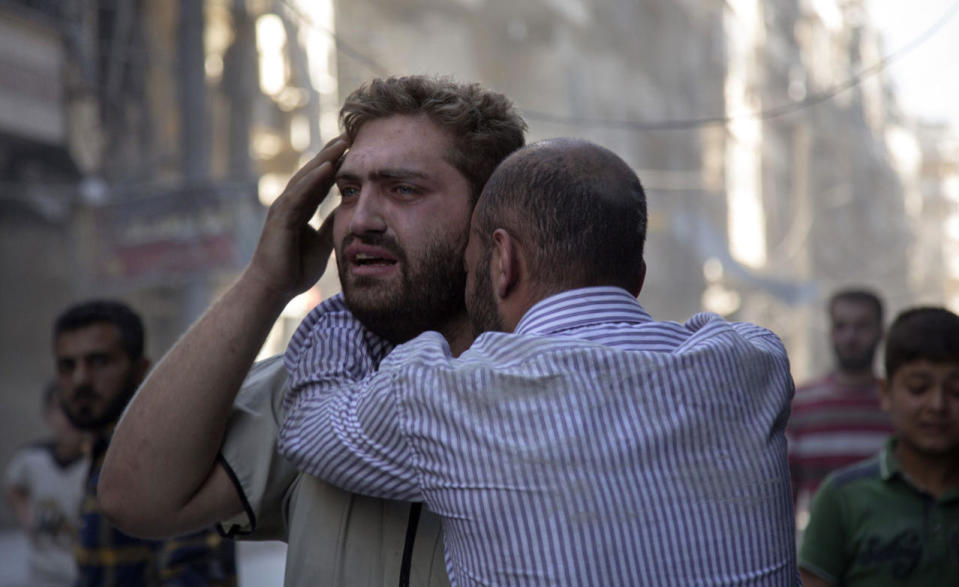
(680, 123)
(775, 112)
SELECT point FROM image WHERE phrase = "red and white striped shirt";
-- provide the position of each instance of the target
(832, 425)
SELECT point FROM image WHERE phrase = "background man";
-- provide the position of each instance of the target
(44, 485)
(98, 347)
(837, 420)
(420, 151)
(894, 518)
(593, 445)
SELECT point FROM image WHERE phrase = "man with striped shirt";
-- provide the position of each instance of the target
(837, 420)
(589, 446)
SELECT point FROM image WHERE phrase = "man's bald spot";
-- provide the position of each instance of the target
(571, 200)
(582, 159)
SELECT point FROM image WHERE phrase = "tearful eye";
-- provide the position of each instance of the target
(348, 191)
(405, 190)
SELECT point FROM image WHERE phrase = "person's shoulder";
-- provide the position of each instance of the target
(848, 477)
(824, 380)
(33, 456)
(709, 323)
(815, 390)
(266, 368)
(508, 346)
(429, 348)
(758, 335)
(709, 330)
(35, 449)
(331, 312)
(266, 379)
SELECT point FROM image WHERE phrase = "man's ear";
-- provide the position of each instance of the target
(640, 280)
(506, 263)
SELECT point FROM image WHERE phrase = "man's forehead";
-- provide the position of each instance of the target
(925, 367)
(410, 143)
(848, 310)
(99, 335)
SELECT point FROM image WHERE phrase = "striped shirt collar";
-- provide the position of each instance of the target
(578, 308)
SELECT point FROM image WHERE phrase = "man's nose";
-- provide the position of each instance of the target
(80, 375)
(846, 334)
(368, 213)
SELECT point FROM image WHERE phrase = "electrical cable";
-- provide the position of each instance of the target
(775, 112)
(681, 123)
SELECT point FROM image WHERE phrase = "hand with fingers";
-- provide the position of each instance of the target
(291, 255)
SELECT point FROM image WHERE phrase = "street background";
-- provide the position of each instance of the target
(788, 147)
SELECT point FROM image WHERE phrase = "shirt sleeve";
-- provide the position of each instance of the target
(341, 421)
(262, 477)
(15, 476)
(823, 550)
(796, 476)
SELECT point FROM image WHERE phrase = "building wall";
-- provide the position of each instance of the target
(819, 178)
(568, 65)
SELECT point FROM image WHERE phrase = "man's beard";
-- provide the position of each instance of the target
(480, 302)
(429, 295)
(85, 419)
(856, 361)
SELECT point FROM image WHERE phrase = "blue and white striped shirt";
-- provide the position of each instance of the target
(593, 446)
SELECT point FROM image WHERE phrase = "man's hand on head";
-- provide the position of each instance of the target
(291, 255)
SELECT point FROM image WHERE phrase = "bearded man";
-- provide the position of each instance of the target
(98, 346)
(836, 420)
(414, 157)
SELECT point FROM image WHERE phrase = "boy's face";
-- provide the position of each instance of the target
(923, 400)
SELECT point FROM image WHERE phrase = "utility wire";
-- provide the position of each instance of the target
(681, 123)
(694, 123)
(341, 45)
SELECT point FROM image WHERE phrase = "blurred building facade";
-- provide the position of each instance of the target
(775, 157)
(934, 203)
(144, 137)
(129, 170)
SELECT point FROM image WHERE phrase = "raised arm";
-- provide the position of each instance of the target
(160, 476)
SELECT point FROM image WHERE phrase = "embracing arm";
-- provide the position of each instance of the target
(346, 426)
(160, 475)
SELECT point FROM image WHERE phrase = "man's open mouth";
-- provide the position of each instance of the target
(364, 260)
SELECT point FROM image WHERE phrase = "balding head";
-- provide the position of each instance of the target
(578, 209)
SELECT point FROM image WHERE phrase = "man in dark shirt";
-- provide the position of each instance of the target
(98, 346)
